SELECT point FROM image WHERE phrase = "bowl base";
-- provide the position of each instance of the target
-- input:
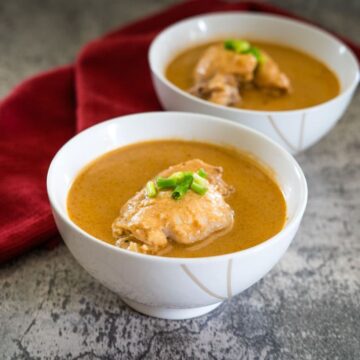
(168, 313)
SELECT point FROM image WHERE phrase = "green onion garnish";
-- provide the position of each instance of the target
(202, 173)
(244, 47)
(200, 180)
(229, 44)
(262, 59)
(259, 56)
(177, 176)
(198, 188)
(239, 46)
(180, 182)
(165, 183)
(254, 51)
(199, 184)
(183, 187)
(151, 189)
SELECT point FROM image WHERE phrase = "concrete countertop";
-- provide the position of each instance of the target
(307, 307)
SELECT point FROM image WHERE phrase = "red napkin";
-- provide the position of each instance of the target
(111, 77)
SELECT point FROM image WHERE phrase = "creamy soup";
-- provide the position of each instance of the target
(107, 183)
(312, 82)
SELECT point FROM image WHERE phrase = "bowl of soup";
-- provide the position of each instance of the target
(175, 212)
(286, 79)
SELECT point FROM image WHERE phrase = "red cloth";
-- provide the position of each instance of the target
(110, 78)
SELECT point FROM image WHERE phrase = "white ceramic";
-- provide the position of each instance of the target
(173, 288)
(296, 130)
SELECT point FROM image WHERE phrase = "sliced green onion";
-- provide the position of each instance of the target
(183, 187)
(239, 46)
(164, 183)
(199, 184)
(202, 173)
(200, 180)
(180, 182)
(259, 56)
(262, 58)
(229, 44)
(151, 189)
(244, 47)
(198, 188)
(177, 176)
(254, 51)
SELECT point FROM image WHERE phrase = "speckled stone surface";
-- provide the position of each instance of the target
(307, 307)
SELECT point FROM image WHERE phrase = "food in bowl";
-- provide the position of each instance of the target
(178, 199)
(253, 75)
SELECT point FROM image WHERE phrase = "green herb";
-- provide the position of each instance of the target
(151, 189)
(177, 176)
(259, 56)
(202, 173)
(180, 182)
(253, 51)
(183, 187)
(199, 184)
(239, 46)
(200, 180)
(244, 47)
(262, 58)
(198, 188)
(165, 183)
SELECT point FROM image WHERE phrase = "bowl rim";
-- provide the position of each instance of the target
(292, 22)
(288, 228)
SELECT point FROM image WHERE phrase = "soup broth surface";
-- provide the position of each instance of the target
(104, 186)
(312, 81)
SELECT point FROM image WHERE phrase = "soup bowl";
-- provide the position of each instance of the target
(173, 288)
(296, 130)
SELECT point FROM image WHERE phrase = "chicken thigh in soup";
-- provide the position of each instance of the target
(253, 75)
(177, 199)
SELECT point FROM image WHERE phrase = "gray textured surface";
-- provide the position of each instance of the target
(308, 307)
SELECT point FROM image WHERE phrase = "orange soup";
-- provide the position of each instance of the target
(312, 82)
(106, 184)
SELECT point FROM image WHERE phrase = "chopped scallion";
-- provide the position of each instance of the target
(177, 176)
(262, 58)
(183, 187)
(229, 44)
(239, 46)
(180, 182)
(259, 56)
(202, 173)
(151, 189)
(244, 47)
(164, 183)
(200, 180)
(199, 184)
(198, 188)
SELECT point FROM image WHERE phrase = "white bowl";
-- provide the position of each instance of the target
(173, 288)
(296, 130)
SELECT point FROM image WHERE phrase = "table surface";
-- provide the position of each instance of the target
(307, 307)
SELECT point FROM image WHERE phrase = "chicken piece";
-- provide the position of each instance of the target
(221, 89)
(268, 76)
(216, 59)
(220, 75)
(128, 242)
(146, 224)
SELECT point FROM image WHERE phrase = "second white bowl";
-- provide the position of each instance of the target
(296, 130)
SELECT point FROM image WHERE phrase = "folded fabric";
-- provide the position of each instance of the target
(111, 77)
